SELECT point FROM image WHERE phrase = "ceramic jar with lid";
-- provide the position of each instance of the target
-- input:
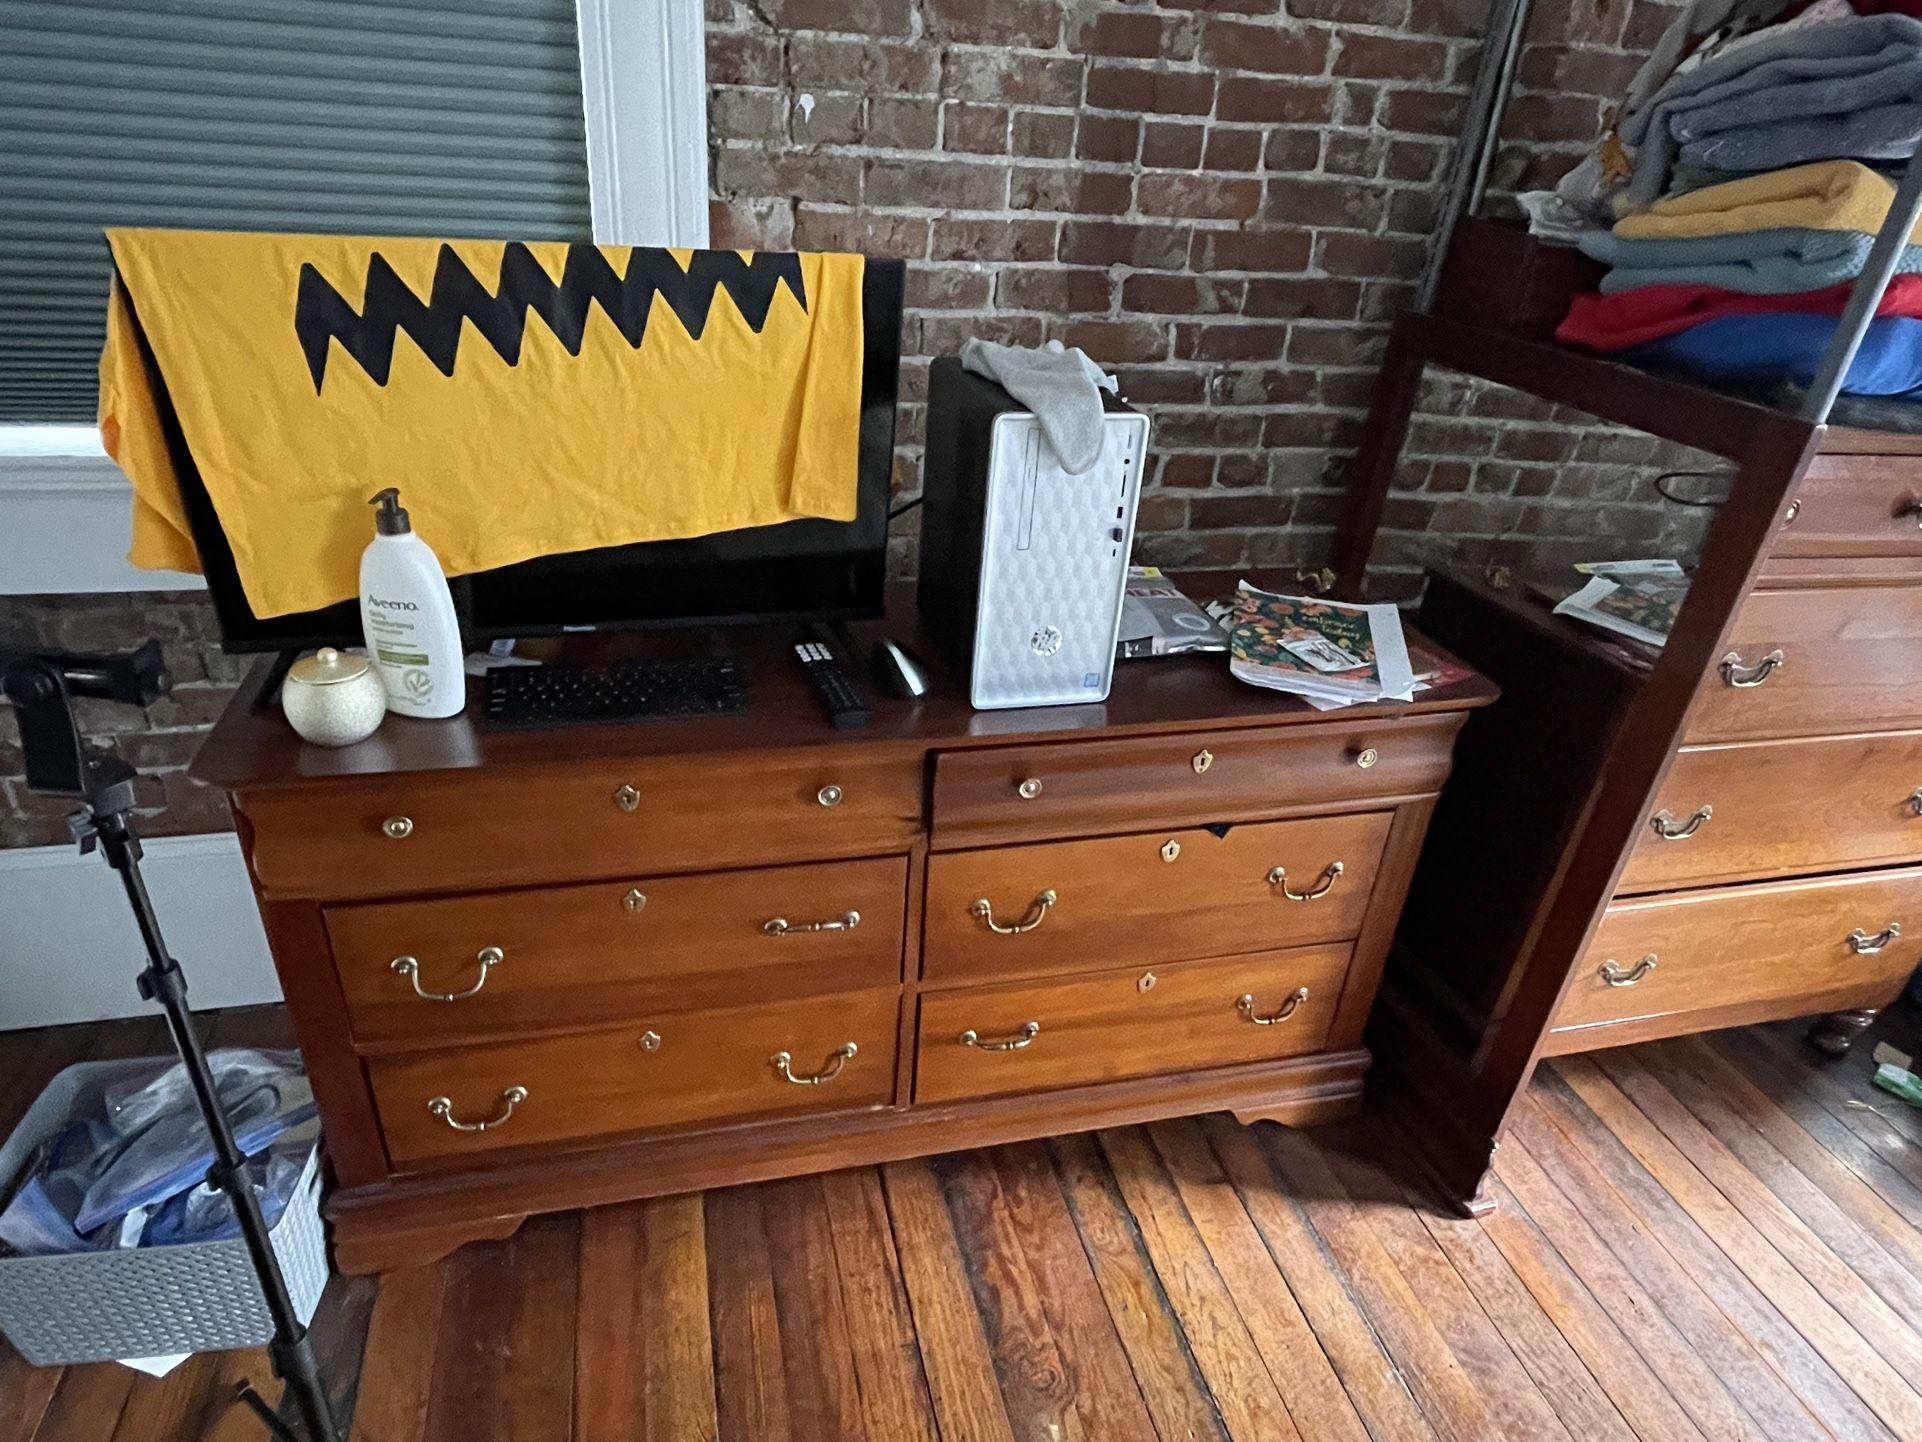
(334, 699)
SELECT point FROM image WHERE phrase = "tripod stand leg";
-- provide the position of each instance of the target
(246, 1396)
(290, 1352)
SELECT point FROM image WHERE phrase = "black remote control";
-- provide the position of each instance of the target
(831, 686)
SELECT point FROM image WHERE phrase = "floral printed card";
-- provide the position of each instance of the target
(1316, 647)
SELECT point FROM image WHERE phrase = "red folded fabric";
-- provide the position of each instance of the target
(1616, 322)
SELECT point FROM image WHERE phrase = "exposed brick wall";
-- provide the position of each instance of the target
(1223, 200)
(160, 741)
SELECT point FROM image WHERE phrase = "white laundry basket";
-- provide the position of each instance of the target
(147, 1301)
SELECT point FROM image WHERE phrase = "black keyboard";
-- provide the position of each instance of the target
(531, 696)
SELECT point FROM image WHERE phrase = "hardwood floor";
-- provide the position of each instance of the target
(1715, 1238)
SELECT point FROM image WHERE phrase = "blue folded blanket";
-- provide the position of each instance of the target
(1866, 46)
(1755, 262)
(1792, 346)
(1877, 116)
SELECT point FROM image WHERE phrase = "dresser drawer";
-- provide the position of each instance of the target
(1026, 793)
(464, 831)
(1855, 506)
(674, 1071)
(1156, 897)
(1781, 942)
(1773, 808)
(986, 1040)
(1814, 661)
(462, 966)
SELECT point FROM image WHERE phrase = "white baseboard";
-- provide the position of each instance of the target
(69, 950)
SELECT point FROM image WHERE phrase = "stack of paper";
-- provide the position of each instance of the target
(1329, 653)
(1637, 599)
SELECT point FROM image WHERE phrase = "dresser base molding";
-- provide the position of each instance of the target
(1835, 1033)
(416, 1218)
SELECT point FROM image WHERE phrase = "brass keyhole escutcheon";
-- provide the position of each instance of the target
(635, 899)
(627, 798)
(650, 1040)
(1147, 981)
(1170, 849)
(1367, 757)
(1202, 760)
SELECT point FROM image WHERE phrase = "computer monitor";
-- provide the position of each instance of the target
(813, 570)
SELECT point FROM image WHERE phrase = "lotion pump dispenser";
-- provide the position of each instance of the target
(407, 614)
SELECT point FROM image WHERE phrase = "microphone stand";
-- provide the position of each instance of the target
(42, 687)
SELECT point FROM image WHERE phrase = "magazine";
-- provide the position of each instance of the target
(1637, 599)
(1330, 653)
(1157, 620)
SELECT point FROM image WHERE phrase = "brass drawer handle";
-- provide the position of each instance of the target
(511, 1098)
(1664, 825)
(1615, 976)
(1367, 757)
(1862, 944)
(781, 926)
(1029, 789)
(398, 828)
(1743, 677)
(1037, 913)
(1245, 1004)
(829, 795)
(1910, 506)
(627, 798)
(489, 957)
(1022, 1039)
(1329, 875)
(783, 1062)
(1915, 801)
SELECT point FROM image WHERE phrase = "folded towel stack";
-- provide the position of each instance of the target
(1751, 185)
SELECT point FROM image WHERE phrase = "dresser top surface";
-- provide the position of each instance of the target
(253, 746)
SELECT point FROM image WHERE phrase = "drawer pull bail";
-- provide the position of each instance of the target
(1330, 874)
(489, 957)
(1615, 976)
(1742, 678)
(781, 926)
(1862, 944)
(1245, 1004)
(1664, 825)
(783, 1062)
(398, 828)
(1022, 1039)
(511, 1098)
(1037, 913)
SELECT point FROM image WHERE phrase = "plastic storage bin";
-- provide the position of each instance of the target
(147, 1301)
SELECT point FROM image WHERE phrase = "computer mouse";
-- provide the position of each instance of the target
(898, 671)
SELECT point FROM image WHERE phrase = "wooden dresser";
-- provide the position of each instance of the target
(541, 970)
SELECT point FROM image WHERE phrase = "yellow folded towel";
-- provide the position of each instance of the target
(1834, 195)
(527, 399)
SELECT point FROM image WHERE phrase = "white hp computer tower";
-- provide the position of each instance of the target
(1023, 565)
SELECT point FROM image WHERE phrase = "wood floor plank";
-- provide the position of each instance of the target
(824, 1395)
(1559, 1372)
(466, 1389)
(224, 1418)
(1453, 1401)
(1163, 1364)
(1641, 1395)
(750, 1379)
(1041, 1386)
(644, 1369)
(87, 1404)
(1779, 1275)
(895, 1400)
(954, 1345)
(538, 1360)
(1295, 1360)
(402, 1337)
(1233, 1366)
(1861, 1229)
(1107, 1392)
(1739, 1387)
(25, 1391)
(169, 1408)
(1371, 1377)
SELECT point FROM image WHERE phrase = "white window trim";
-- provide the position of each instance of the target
(65, 508)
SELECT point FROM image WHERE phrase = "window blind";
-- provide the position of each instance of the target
(368, 117)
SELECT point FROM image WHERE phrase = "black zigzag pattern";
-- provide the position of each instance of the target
(322, 313)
